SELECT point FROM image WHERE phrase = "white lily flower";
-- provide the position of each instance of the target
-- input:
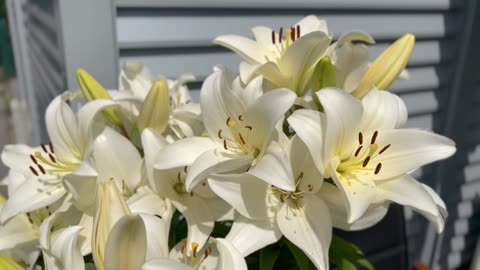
(356, 144)
(43, 168)
(64, 252)
(240, 123)
(184, 119)
(300, 215)
(287, 59)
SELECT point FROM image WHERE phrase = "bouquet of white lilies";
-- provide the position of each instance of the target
(305, 139)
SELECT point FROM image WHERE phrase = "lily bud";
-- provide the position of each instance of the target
(323, 76)
(8, 264)
(110, 207)
(156, 107)
(92, 90)
(387, 67)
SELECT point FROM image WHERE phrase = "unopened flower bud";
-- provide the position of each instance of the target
(92, 90)
(387, 67)
(323, 76)
(156, 107)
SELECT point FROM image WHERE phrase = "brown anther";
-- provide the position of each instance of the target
(228, 121)
(204, 184)
(249, 127)
(378, 168)
(184, 245)
(280, 35)
(358, 151)
(384, 149)
(41, 168)
(273, 37)
(310, 187)
(44, 148)
(225, 144)
(240, 117)
(185, 169)
(50, 145)
(241, 138)
(188, 101)
(298, 31)
(52, 158)
(179, 179)
(220, 134)
(292, 33)
(191, 193)
(360, 138)
(33, 159)
(33, 170)
(374, 137)
(208, 251)
(365, 162)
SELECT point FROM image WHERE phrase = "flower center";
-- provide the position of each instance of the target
(46, 163)
(364, 156)
(280, 44)
(239, 142)
(194, 260)
(36, 217)
(294, 196)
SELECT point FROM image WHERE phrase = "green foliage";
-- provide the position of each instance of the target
(347, 255)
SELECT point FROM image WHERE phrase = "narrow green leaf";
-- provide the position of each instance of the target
(303, 262)
(268, 257)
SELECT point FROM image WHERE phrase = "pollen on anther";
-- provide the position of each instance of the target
(41, 168)
(50, 145)
(249, 127)
(280, 35)
(273, 37)
(360, 138)
(298, 31)
(185, 169)
(44, 148)
(358, 151)
(33, 170)
(365, 162)
(228, 120)
(384, 149)
(374, 137)
(240, 117)
(310, 187)
(292, 33)
(33, 159)
(220, 134)
(52, 158)
(241, 138)
(225, 144)
(378, 168)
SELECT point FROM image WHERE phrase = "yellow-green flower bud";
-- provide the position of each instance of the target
(323, 76)
(92, 90)
(6, 263)
(387, 67)
(156, 108)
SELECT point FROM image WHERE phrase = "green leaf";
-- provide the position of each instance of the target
(268, 257)
(347, 255)
(303, 262)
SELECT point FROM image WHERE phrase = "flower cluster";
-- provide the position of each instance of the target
(303, 140)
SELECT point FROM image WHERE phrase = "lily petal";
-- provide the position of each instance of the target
(126, 245)
(164, 263)
(303, 165)
(64, 248)
(86, 117)
(265, 113)
(116, 157)
(343, 113)
(185, 151)
(244, 192)
(248, 236)
(309, 228)
(308, 126)
(409, 150)
(199, 218)
(383, 110)
(274, 168)
(157, 237)
(215, 161)
(312, 23)
(152, 143)
(405, 190)
(17, 157)
(16, 231)
(230, 258)
(82, 184)
(336, 202)
(36, 192)
(245, 47)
